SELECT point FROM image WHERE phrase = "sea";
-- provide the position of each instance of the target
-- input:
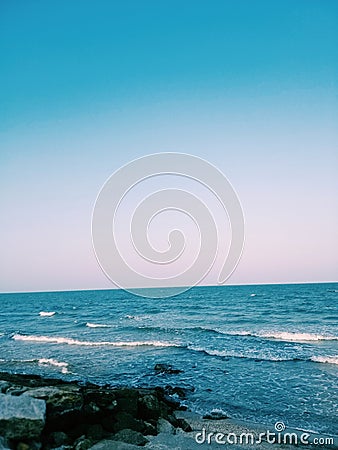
(261, 353)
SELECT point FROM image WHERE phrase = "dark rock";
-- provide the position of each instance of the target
(180, 392)
(126, 420)
(16, 390)
(82, 443)
(149, 429)
(21, 417)
(108, 422)
(173, 403)
(149, 407)
(58, 438)
(172, 419)
(4, 385)
(64, 405)
(130, 437)
(184, 425)
(95, 432)
(103, 398)
(166, 368)
(23, 446)
(127, 401)
(91, 409)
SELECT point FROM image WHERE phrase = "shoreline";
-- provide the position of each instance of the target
(39, 413)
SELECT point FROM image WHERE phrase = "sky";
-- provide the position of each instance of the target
(86, 87)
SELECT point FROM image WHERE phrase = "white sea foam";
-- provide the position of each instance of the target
(297, 337)
(46, 313)
(53, 362)
(235, 354)
(96, 325)
(325, 359)
(70, 341)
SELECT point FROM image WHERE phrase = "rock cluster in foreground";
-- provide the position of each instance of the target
(37, 413)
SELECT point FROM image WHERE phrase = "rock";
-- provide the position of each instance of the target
(113, 445)
(23, 446)
(163, 426)
(216, 414)
(149, 429)
(130, 437)
(4, 385)
(127, 401)
(58, 438)
(166, 368)
(83, 443)
(95, 432)
(174, 404)
(103, 398)
(91, 409)
(179, 391)
(21, 417)
(150, 407)
(125, 420)
(108, 422)
(64, 405)
(16, 390)
(184, 425)
(3, 444)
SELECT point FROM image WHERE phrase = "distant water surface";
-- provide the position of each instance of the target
(264, 353)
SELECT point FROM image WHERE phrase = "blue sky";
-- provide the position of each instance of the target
(88, 86)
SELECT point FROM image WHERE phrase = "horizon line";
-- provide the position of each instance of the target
(167, 287)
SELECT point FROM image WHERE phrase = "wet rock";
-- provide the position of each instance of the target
(149, 407)
(101, 397)
(21, 417)
(125, 420)
(184, 425)
(4, 385)
(83, 443)
(16, 390)
(23, 446)
(130, 437)
(179, 392)
(163, 426)
(64, 405)
(113, 445)
(95, 432)
(216, 414)
(58, 438)
(127, 400)
(166, 368)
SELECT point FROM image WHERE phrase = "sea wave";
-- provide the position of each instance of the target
(96, 325)
(46, 313)
(325, 359)
(63, 366)
(71, 341)
(55, 363)
(297, 337)
(242, 355)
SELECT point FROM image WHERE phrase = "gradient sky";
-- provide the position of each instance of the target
(88, 86)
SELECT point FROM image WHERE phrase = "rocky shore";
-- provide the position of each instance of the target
(38, 413)
(50, 414)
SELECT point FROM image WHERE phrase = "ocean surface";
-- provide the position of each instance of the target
(262, 353)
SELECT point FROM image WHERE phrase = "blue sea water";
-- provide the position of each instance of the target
(263, 353)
